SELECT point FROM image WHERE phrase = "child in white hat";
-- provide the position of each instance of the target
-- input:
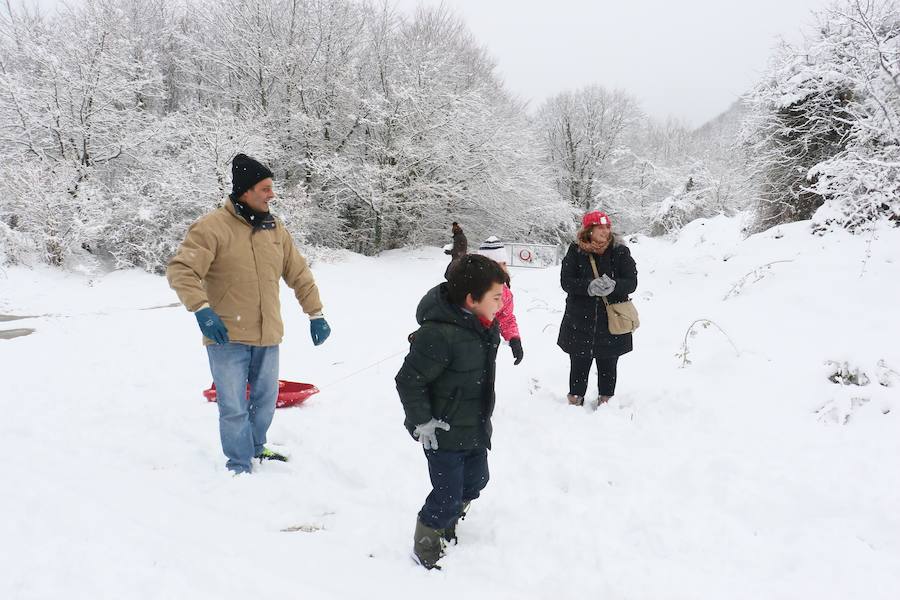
(494, 249)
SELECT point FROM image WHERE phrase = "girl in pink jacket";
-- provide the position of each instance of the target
(494, 249)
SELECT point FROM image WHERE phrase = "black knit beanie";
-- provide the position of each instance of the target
(245, 173)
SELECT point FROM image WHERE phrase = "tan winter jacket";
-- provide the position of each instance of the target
(223, 262)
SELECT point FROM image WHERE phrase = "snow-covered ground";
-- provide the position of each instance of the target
(744, 474)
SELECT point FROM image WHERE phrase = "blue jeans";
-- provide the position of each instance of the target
(242, 424)
(457, 477)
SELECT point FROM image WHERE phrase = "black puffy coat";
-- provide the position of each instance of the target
(449, 373)
(584, 329)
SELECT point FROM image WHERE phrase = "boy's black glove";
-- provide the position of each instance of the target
(516, 345)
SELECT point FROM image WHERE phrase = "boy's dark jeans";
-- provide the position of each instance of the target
(457, 477)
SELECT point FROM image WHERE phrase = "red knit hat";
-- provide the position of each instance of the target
(595, 218)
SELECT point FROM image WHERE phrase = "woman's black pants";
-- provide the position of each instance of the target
(581, 368)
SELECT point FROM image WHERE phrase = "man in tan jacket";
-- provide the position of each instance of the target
(227, 272)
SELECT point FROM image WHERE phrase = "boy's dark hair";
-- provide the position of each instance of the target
(473, 274)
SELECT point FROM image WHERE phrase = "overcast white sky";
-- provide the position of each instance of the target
(686, 58)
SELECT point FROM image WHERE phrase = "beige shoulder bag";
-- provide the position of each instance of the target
(622, 316)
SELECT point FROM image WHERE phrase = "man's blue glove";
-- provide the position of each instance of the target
(319, 330)
(211, 325)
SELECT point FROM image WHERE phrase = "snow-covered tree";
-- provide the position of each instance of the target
(119, 119)
(583, 131)
(862, 183)
(435, 139)
(72, 94)
(825, 125)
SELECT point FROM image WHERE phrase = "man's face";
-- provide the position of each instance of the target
(258, 197)
(489, 305)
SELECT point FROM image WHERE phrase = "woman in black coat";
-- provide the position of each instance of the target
(584, 333)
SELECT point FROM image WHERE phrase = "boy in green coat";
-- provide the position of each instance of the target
(446, 385)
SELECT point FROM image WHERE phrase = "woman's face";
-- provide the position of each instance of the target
(600, 234)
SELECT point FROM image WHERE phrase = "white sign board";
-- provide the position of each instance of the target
(532, 255)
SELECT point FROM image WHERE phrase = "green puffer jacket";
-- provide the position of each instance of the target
(449, 373)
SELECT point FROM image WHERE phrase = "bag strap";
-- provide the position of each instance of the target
(597, 275)
(594, 266)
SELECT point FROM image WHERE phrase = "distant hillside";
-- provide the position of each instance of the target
(728, 121)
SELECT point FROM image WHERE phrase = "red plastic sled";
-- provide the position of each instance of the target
(290, 393)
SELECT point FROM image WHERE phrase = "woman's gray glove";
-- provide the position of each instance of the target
(426, 433)
(602, 286)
